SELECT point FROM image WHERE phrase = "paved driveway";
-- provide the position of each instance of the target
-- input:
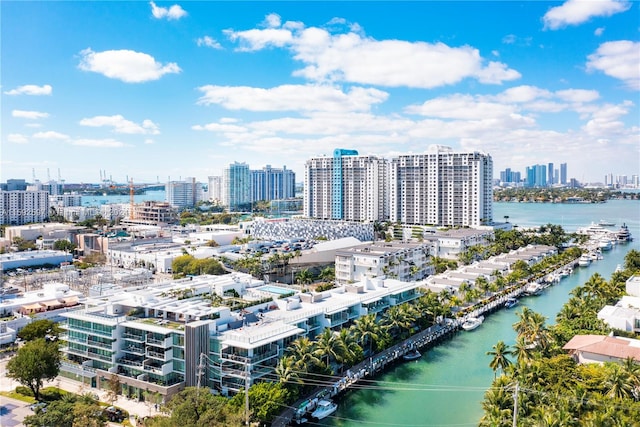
(12, 412)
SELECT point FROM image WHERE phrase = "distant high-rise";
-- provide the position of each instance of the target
(347, 187)
(184, 194)
(442, 187)
(236, 187)
(272, 184)
(550, 174)
(215, 189)
(536, 176)
(563, 173)
(21, 207)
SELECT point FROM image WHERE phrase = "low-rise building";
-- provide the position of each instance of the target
(602, 348)
(625, 314)
(451, 243)
(403, 261)
(13, 260)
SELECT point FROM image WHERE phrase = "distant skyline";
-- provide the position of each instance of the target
(152, 90)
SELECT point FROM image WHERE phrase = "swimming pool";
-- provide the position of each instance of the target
(275, 290)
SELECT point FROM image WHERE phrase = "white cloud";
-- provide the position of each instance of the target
(31, 90)
(50, 135)
(618, 59)
(463, 107)
(126, 65)
(173, 12)
(273, 20)
(16, 138)
(575, 12)
(522, 94)
(98, 143)
(122, 125)
(578, 95)
(149, 141)
(208, 42)
(31, 115)
(292, 98)
(598, 31)
(353, 57)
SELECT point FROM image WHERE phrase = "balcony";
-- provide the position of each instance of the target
(133, 337)
(273, 351)
(131, 362)
(134, 349)
(157, 355)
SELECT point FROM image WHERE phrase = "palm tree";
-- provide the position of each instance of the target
(398, 320)
(522, 351)
(367, 331)
(304, 277)
(327, 274)
(618, 383)
(286, 371)
(500, 361)
(352, 351)
(328, 345)
(302, 351)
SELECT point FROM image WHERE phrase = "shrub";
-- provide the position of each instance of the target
(25, 391)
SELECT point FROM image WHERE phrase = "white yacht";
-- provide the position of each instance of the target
(324, 409)
(472, 322)
(584, 260)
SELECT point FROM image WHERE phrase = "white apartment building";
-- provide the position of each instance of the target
(65, 200)
(402, 261)
(184, 194)
(155, 338)
(22, 207)
(441, 187)
(215, 189)
(451, 243)
(347, 187)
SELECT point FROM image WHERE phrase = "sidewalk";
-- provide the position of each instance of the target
(141, 409)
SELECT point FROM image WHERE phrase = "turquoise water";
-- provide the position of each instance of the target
(446, 386)
(149, 196)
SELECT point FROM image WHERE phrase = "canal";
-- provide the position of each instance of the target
(446, 386)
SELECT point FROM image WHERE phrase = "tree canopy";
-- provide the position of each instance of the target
(39, 329)
(35, 362)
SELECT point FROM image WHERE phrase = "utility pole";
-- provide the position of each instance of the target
(246, 395)
(515, 405)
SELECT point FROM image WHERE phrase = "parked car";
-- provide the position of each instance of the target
(38, 406)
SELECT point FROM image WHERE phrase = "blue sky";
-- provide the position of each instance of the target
(178, 89)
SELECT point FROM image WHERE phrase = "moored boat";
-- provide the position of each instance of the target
(584, 260)
(605, 244)
(623, 234)
(324, 409)
(510, 302)
(606, 223)
(472, 322)
(412, 355)
(533, 289)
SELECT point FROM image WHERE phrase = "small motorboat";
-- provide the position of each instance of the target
(472, 322)
(324, 409)
(412, 355)
(510, 302)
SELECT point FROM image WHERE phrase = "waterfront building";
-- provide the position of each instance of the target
(451, 243)
(563, 173)
(79, 213)
(602, 349)
(536, 176)
(115, 211)
(402, 261)
(272, 184)
(184, 194)
(346, 187)
(442, 187)
(19, 207)
(236, 187)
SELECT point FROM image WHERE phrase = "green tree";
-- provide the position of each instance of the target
(114, 388)
(39, 329)
(328, 345)
(368, 332)
(195, 408)
(64, 245)
(500, 361)
(35, 362)
(266, 400)
(59, 413)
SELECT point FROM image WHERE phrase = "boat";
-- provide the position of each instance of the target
(472, 322)
(605, 223)
(533, 289)
(510, 302)
(412, 355)
(584, 260)
(618, 268)
(324, 409)
(623, 234)
(605, 244)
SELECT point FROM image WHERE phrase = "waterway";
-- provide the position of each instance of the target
(98, 200)
(446, 386)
